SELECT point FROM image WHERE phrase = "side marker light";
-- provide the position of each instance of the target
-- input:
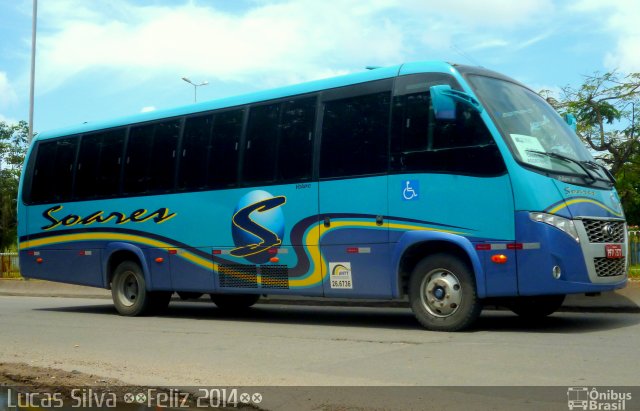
(499, 258)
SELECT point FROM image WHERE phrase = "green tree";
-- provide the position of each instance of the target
(628, 186)
(605, 106)
(13, 148)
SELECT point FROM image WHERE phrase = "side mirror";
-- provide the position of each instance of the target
(444, 107)
(571, 121)
(444, 98)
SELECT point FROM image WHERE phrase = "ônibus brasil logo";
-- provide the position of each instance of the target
(583, 398)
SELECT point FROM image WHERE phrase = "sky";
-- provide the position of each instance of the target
(102, 59)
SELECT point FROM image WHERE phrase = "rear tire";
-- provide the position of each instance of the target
(539, 306)
(442, 293)
(130, 295)
(231, 302)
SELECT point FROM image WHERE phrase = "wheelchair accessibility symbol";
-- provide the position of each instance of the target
(410, 189)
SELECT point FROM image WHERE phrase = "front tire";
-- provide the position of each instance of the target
(130, 295)
(442, 293)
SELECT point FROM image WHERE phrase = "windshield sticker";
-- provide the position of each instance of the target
(527, 147)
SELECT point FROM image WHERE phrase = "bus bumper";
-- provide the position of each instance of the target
(558, 264)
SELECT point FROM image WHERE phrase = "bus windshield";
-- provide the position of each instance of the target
(535, 132)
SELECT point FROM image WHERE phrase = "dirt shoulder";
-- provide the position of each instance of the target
(42, 379)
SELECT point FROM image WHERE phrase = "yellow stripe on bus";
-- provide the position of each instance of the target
(584, 200)
(313, 236)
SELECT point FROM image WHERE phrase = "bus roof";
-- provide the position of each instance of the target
(263, 95)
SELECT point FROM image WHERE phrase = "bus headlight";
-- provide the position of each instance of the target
(558, 222)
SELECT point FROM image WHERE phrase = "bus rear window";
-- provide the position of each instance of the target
(53, 172)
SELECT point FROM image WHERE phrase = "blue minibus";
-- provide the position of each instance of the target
(449, 186)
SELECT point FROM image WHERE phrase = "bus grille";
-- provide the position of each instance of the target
(238, 275)
(596, 232)
(609, 267)
(274, 276)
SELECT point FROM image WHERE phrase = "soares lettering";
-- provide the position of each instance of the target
(578, 192)
(138, 216)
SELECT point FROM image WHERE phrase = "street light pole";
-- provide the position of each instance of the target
(33, 67)
(195, 87)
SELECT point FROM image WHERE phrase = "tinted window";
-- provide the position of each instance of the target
(136, 175)
(53, 172)
(88, 160)
(280, 142)
(163, 156)
(295, 146)
(419, 142)
(151, 157)
(109, 170)
(223, 162)
(196, 146)
(259, 164)
(99, 163)
(354, 136)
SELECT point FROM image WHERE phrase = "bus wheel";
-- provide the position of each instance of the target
(130, 295)
(442, 293)
(234, 301)
(539, 306)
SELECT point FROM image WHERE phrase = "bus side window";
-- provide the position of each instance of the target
(164, 156)
(421, 143)
(196, 146)
(354, 136)
(137, 159)
(259, 164)
(295, 145)
(53, 173)
(88, 163)
(110, 167)
(151, 157)
(99, 160)
(411, 131)
(225, 145)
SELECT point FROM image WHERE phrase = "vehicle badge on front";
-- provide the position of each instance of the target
(607, 230)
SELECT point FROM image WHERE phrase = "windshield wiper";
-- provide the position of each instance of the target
(598, 166)
(580, 164)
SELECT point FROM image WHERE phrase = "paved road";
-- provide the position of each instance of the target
(195, 344)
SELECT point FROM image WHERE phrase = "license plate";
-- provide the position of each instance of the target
(613, 250)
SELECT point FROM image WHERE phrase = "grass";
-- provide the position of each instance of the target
(634, 271)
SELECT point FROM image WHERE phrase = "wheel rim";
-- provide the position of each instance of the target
(441, 293)
(128, 289)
